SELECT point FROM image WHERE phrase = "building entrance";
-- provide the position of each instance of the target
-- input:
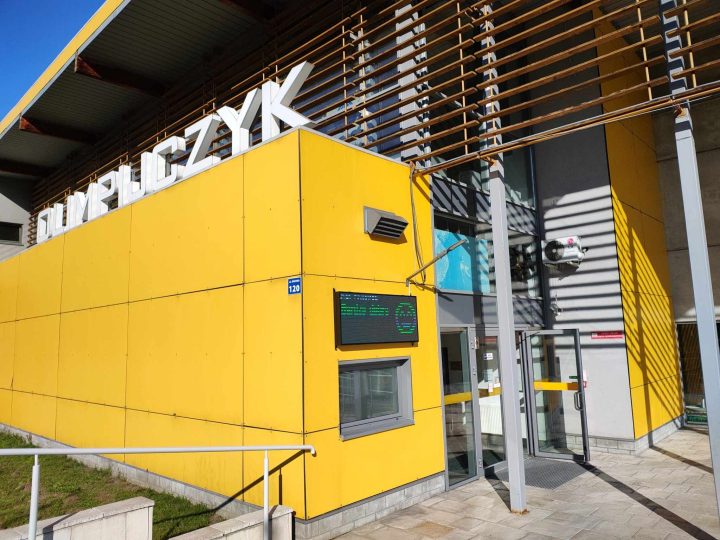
(552, 414)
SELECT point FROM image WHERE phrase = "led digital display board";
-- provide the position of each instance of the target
(364, 318)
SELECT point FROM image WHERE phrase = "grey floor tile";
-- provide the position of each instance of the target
(651, 496)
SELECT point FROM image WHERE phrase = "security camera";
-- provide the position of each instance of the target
(563, 251)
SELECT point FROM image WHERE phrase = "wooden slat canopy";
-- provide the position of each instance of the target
(421, 80)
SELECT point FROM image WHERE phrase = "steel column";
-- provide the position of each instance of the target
(506, 346)
(697, 241)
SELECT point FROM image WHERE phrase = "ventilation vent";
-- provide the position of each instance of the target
(382, 223)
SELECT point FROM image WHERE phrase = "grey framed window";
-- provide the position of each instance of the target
(375, 395)
(10, 233)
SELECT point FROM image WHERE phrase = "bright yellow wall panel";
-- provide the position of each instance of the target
(653, 262)
(7, 353)
(337, 183)
(345, 472)
(634, 338)
(642, 420)
(34, 413)
(188, 237)
(621, 162)
(96, 263)
(40, 278)
(218, 472)
(273, 356)
(321, 357)
(8, 288)
(658, 329)
(93, 355)
(650, 338)
(272, 212)
(633, 170)
(6, 406)
(642, 257)
(36, 355)
(185, 355)
(289, 473)
(642, 128)
(647, 185)
(631, 253)
(88, 425)
(656, 404)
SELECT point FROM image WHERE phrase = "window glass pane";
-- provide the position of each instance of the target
(10, 232)
(518, 176)
(524, 265)
(471, 267)
(347, 398)
(368, 393)
(468, 267)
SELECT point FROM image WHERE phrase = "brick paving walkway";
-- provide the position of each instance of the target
(665, 493)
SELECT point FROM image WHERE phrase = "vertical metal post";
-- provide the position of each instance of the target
(34, 495)
(266, 497)
(506, 345)
(697, 241)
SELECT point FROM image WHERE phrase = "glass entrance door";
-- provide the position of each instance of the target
(489, 400)
(490, 395)
(458, 379)
(556, 402)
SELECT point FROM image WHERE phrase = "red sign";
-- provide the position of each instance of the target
(608, 334)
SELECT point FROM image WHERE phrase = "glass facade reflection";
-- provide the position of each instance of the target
(467, 268)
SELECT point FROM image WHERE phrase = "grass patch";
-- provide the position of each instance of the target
(67, 486)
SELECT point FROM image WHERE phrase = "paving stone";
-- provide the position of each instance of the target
(431, 529)
(590, 535)
(552, 529)
(459, 535)
(468, 523)
(651, 534)
(442, 517)
(519, 521)
(389, 533)
(401, 522)
(573, 520)
(618, 530)
(649, 495)
(451, 506)
(496, 530)
(482, 501)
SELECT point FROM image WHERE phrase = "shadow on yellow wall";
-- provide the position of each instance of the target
(655, 385)
(653, 365)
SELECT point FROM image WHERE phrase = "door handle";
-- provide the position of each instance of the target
(577, 397)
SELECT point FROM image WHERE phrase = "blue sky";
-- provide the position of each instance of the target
(32, 33)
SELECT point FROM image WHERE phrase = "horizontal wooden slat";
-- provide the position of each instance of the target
(398, 76)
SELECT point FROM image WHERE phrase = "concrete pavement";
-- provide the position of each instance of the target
(665, 493)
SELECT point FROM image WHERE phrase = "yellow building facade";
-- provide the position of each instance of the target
(651, 345)
(207, 312)
(168, 323)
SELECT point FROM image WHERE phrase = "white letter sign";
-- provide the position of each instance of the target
(157, 171)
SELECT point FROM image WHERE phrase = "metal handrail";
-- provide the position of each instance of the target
(36, 452)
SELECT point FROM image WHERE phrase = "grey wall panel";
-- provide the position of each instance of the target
(590, 298)
(468, 309)
(14, 208)
(528, 313)
(521, 218)
(707, 139)
(573, 186)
